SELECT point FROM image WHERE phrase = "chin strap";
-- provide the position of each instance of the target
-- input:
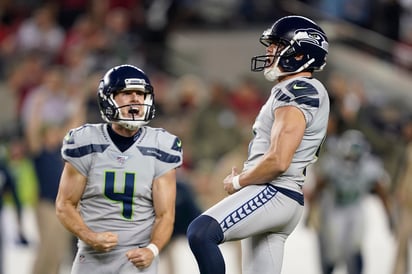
(132, 126)
(274, 72)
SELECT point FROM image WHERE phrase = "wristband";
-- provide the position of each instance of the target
(235, 182)
(153, 248)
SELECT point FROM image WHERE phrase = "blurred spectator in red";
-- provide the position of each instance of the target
(246, 99)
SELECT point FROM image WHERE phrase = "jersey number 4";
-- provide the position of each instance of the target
(125, 197)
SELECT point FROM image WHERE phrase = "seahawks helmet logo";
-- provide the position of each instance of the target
(311, 36)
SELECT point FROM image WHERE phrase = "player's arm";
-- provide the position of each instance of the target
(72, 185)
(164, 197)
(286, 135)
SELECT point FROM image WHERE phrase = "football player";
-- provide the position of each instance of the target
(265, 201)
(345, 175)
(118, 187)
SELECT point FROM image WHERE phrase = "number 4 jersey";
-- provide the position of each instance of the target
(118, 193)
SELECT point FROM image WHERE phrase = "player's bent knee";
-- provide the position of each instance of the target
(204, 229)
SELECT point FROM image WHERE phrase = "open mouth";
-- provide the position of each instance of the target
(133, 111)
(269, 60)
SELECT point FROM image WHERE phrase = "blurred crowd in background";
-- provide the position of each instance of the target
(53, 53)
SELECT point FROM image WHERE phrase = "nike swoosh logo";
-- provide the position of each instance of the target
(295, 86)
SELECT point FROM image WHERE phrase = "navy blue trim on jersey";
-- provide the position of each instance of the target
(85, 150)
(159, 154)
(313, 102)
(249, 207)
(299, 88)
(303, 92)
(281, 96)
(298, 197)
(301, 99)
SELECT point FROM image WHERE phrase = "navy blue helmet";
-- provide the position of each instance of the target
(121, 78)
(297, 36)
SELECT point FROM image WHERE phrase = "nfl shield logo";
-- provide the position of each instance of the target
(121, 159)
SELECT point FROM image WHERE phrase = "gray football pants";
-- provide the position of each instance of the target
(108, 263)
(263, 219)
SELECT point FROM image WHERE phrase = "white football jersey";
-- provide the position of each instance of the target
(118, 194)
(311, 97)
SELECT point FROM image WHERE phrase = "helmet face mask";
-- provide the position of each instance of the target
(262, 62)
(305, 47)
(122, 79)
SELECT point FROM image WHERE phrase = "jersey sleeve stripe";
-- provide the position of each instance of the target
(85, 150)
(159, 154)
(301, 100)
(313, 102)
(282, 97)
